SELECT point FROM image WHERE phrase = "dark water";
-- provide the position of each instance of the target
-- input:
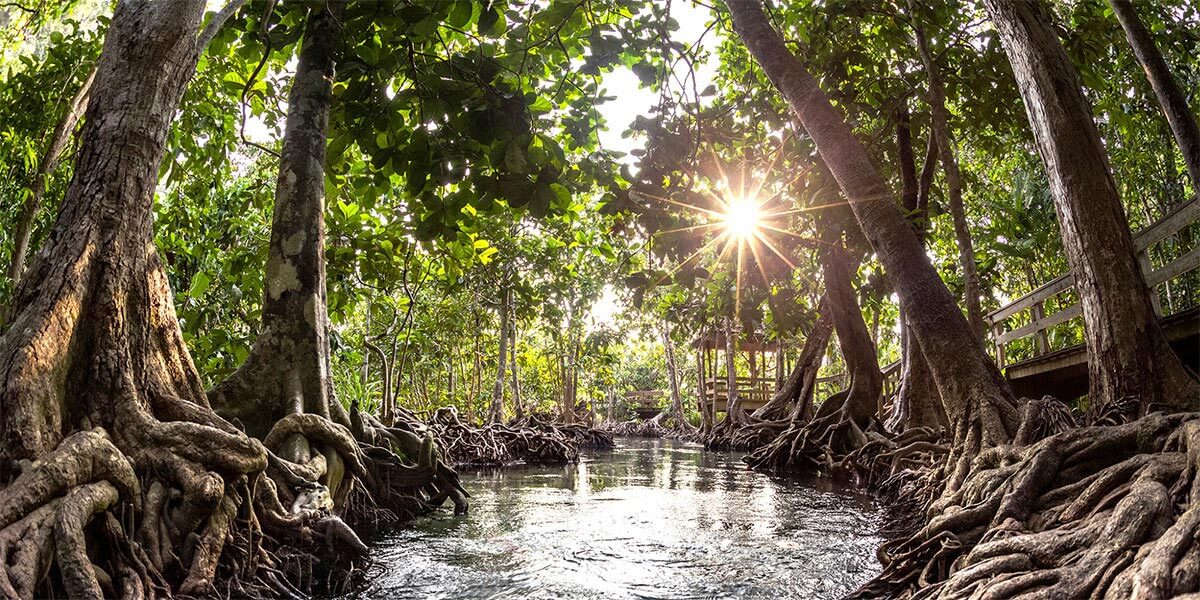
(653, 519)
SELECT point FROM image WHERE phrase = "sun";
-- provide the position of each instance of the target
(742, 217)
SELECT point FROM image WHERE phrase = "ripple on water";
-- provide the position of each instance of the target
(655, 519)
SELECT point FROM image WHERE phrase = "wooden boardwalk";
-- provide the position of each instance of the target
(1028, 322)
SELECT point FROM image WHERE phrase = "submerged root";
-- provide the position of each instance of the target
(530, 440)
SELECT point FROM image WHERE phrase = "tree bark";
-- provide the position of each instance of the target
(976, 397)
(733, 403)
(518, 403)
(945, 144)
(496, 410)
(676, 408)
(1171, 98)
(917, 402)
(862, 363)
(796, 394)
(97, 381)
(288, 369)
(706, 416)
(1128, 355)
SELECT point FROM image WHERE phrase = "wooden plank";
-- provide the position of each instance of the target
(1061, 316)
(1174, 269)
(1182, 216)
(1050, 288)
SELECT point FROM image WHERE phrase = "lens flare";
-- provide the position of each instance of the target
(742, 218)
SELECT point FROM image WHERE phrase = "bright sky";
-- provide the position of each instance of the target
(631, 101)
(634, 100)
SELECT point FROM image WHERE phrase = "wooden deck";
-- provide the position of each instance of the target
(647, 403)
(754, 392)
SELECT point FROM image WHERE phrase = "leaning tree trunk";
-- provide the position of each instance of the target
(1171, 98)
(977, 399)
(23, 228)
(862, 365)
(1128, 355)
(795, 395)
(838, 430)
(945, 144)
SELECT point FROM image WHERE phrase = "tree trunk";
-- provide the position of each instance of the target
(862, 363)
(23, 228)
(976, 397)
(945, 145)
(97, 381)
(1128, 355)
(1170, 97)
(733, 403)
(496, 411)
(288, 369)
(706, 416)
(676, 409)
(796, 394)
(518, 403)
(917, 402)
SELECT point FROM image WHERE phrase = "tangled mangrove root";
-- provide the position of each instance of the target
(828, 444)
(649, 428)
(530, 440)
(1106, 511)
(658, 427)
(584, 437)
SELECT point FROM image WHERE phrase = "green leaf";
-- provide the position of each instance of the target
(460, 14)
(200, 283)
(514, 158)
(488, 19)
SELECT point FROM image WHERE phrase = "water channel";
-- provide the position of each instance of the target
(652, 519)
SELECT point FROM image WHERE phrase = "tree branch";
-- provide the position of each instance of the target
(214, 25)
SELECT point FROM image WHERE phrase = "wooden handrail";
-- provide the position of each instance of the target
(1181, 216)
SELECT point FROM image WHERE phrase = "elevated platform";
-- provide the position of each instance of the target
(1063, 373)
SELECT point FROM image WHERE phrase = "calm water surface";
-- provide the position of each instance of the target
(652, 519)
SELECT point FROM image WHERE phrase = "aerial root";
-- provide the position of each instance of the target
(1102, 512)
(531, 440)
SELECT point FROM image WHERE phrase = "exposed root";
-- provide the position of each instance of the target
(1101, 512)
(530, 440)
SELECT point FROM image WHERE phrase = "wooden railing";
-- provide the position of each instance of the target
(753, 391)
(645, 397)
(1035, 301)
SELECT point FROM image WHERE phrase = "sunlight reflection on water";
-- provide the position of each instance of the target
(654, 519)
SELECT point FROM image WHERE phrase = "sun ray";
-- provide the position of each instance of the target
(688, 228)
(677, 203)
(695, 254)
(758, 261)
(767, 242)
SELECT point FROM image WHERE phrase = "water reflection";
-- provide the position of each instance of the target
(654, 519)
